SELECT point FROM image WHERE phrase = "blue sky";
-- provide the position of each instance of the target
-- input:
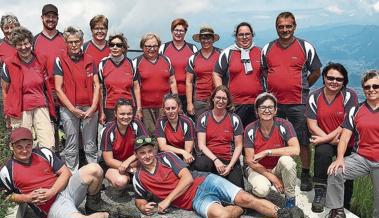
(134, 18)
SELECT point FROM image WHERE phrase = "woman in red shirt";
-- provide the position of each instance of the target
(28, 100)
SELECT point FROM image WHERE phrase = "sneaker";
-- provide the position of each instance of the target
(94, 204)
(306, 182)
(319, 200)
(337, 213)
(290, 202)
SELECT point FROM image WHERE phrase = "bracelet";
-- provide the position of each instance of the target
(215, 159)
(12, 198)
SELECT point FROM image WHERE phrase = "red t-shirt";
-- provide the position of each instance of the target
(24, 178)
(164, 180)
(6, 50)
(286, 70)
(330, 116)
(179, 59)
(154, 79)
(175, 137)
(363, 121)
(122, 146)
(202, 70)
(244, 88)
(281, 132)
(97, 54)
(117, 81)
(220, 135)
(49, 49)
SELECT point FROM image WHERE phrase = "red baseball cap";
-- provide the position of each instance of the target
(21, 133)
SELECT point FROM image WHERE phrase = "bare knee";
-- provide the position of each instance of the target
(120, 182)
(220, 212)
(91, 172)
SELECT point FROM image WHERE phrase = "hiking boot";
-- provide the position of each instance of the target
(306, 182)
(94, 204)
(290, 202)
(337, 213)
(319, 200)
(294, 212)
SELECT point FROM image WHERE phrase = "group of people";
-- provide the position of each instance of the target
(201, 109)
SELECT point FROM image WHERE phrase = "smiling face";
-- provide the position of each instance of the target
(150, 49)
(74, 44)
(124, 115)
(50, 21)
(267, 110)
(206, 41)
(220, 100)
(146, 155)
(24, 49)
(285, 28)
(7, 29)
(99, 32)
(22, 150)
(371, 90)
(178, 33)
(244, 37)
(333, 80)
(117, 47)
(171, 109)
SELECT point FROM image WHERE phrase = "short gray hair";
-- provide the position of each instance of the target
(9, 19)
(369, 75)
(69, 31)
(19, 34)
(148, 36)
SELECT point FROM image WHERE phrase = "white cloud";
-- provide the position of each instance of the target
(334, 9)
(376, 6)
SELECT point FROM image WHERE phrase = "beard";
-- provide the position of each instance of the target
(46, 26)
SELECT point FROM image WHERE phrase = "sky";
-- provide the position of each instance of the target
(137, 17)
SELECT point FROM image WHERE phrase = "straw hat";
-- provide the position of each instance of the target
(205, 30)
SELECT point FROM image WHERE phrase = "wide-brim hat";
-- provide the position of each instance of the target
(206, 30)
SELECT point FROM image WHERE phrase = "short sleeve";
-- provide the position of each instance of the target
(249, 136)
(5, 73)
(201, 123)
(287, 131)
(107, 138)
(311, 107)
(188, 129)
(139, 190)
(348, 122)
(58, 71)
(222, 64)
(191, 65)
(172, 160)
(237, 125)
(159, 128)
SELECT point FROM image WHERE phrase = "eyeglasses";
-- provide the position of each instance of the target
(286, 26)
(244, 35)
(98, 29)
(332, 78)
(373, 86)
(148, 47)
(118, 45)
(270, 108)
(74, 42)
(179, 31)
(219, 98)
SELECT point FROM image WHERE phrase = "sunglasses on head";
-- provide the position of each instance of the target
(118, 45)
(368, 87)
(146, 140)
(332, 78)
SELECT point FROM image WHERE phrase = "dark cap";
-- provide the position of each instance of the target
(143, 141)
(49, 8)
(21, 133)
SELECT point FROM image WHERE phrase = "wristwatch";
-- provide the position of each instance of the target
(269, 153)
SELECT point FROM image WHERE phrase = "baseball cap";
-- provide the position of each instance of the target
(21, 133)
(49, 8)
(143, 141)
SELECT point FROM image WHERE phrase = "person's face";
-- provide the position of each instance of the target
(124, 115)
(50, 21)
(285, 28)
(117, 47)
(220, 100)
(333, 80)
(150, 49)
(178, 33)
(24, 49)
(99, 32)
(371, 89)
(267, 110)
(171, 109)
(146, 155)
(244, 37)
(74, 44)
(7, 29)
(22, 150)
(206, 41)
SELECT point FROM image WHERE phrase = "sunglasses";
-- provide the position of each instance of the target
(368, 87)
(332, 78)
(143, 141)
(118, 45)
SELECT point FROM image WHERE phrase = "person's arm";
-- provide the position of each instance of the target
(318, 135)
(63, 98)
(189, 90)
(217, 79)
(101, 105)
(313, 77)
(341, 149)
(145, 207)
(236, 154)
(137, 94)
(163, 146)
(257, 167)
(126, 165)
(173, 87)
(293, 149)
(185, 181)
(201, 138)
(110, 161)
(95, 98)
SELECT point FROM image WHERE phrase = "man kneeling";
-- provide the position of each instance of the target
(40, 179)
(165, 178)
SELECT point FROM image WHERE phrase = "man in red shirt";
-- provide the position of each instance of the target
(290, 66)
(40, 179)
(163, 180)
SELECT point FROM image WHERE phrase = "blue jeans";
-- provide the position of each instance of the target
(214, 189)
